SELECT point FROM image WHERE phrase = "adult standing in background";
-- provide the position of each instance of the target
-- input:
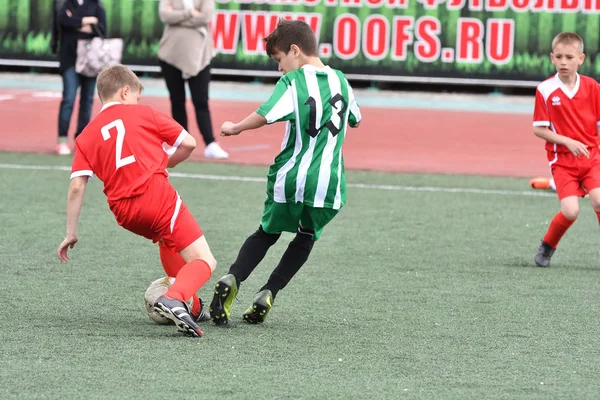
(184, 53)
(74, 20)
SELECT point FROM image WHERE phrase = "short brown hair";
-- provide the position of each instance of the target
(111, 79)
(288, 33)
(568, 38)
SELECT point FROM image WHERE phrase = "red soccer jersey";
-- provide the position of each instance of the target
(574, 114)
(125, 145)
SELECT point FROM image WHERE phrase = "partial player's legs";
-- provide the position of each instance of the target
(569, 209)
(250, 255)
(172, 263)
(312, 221)
(292, 260)
(191, 277)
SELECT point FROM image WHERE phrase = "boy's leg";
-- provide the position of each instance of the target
(250, 255)
(312, 222)
(172, 262)
(191, 277)
(277, 217)
(565, 172)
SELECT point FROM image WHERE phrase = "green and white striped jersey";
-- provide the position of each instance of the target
(318, 105)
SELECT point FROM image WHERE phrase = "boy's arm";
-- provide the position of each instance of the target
(74, 204)
(355, 116)
(183, 151)
(541, 124)
(574, 146)
(252, 121)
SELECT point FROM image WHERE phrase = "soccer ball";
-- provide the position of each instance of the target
(154, 291)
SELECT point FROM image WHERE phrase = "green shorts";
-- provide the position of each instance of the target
(287, 217)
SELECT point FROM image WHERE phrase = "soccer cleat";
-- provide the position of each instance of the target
(204, 314)
(540, 183)
(177, 311)
(544, 255)
(225, 292)
(258, 311)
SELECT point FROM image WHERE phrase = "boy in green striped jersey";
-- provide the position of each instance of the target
(306, 185)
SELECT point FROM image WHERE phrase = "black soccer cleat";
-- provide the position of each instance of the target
(258, 311)
(177, 311)
(544, 255)
(225, 291)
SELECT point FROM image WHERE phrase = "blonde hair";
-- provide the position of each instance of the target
(568, 38)
(111, 79)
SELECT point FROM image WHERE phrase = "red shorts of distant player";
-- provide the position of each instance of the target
(575, 176)
(158, 214)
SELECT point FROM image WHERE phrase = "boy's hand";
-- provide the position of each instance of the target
(577, 148)
(229, 129)
(64, 246)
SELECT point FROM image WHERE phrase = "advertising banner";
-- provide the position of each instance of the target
(504, 42)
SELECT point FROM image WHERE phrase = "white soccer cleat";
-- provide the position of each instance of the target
(215, 151)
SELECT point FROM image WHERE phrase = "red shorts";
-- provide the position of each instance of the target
(575, 176)
(158, 214)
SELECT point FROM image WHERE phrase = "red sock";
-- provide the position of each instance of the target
(171, 261)
(557, 229)
(189, 279)
(196, 306)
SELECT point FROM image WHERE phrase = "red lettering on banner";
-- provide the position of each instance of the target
(428, 46)
(469, 38)
(496, 5)
(569, 5)
(397, 3)
(346, 36)
(375, 3)
(430, 4)
(591, 6)
(499, 41)
(402, 36)
(376, 39)
(520, 5)
(311, 3)
(475, 5)
(226, 31)
(544, 5)
(455, 4)
(312, 19)
(256, 26)
(351, 3)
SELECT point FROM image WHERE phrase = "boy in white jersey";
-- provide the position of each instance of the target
(567, 116)
(306, 183)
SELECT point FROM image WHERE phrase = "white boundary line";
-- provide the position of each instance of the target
(399, 188)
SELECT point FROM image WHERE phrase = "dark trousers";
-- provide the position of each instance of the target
(71, 82)
(199, 88)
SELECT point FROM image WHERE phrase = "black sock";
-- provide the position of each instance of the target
(251, 254)
(292, 260)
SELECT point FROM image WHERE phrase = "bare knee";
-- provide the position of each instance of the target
(570, 213)
(199, 250)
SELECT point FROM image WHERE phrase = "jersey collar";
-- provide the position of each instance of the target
(104, 107)
(570, 93)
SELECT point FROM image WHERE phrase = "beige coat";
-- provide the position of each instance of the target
(186, 42)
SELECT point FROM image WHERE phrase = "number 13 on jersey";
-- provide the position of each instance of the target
(120, 127)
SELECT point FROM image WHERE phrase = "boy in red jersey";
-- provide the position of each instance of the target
(127, 147)
(566, 116)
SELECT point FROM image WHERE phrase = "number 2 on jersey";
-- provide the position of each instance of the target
(120, 127)
(312, 103)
